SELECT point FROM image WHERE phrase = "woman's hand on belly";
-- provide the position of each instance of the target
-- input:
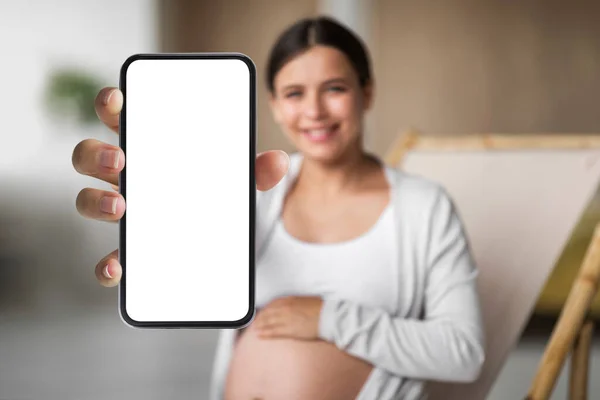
(292, 369)
(293, 317)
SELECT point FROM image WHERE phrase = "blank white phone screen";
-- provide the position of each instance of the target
(188, 141)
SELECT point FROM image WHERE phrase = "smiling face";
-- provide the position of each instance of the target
(319, 103)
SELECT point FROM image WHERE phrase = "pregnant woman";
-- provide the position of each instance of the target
(366, 288)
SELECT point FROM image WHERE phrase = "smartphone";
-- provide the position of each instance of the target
(186, 241)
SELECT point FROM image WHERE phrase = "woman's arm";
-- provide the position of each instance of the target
(448, 343)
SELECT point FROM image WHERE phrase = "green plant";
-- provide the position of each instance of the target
(71, 93)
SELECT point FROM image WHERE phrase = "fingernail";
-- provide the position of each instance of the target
(106, 273)
(108, 205)
(109, 158)
(107, 97)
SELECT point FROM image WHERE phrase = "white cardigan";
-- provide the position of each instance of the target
(435, 333)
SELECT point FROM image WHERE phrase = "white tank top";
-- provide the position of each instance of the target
(360, 269)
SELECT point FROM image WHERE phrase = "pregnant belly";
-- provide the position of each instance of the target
(277, 369)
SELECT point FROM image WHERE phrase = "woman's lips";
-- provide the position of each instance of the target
(319, 135)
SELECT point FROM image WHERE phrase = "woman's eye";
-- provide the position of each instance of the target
(292, 94)
(337, 89)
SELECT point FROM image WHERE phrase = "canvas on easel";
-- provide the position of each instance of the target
(520, 197)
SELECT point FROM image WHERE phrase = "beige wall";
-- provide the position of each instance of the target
(247, 26)
(473, 66)
(453, 67)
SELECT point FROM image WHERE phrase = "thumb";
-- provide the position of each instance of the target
(271, 167)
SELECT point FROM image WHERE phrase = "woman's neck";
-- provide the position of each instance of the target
(328, 179)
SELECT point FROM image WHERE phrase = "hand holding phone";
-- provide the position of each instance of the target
(90, 158)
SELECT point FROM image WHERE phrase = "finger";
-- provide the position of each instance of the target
(115, 187)
(271, 167)
(108, 271)
(100, 204)
(269, 319)
(98, 159)
(272, 332)
(108, 104)
(259, 320)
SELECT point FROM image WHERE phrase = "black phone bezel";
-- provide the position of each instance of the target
(122, 254)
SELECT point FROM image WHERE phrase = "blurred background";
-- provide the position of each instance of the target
(445, 67)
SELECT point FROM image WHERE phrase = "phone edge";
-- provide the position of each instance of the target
(122, 250)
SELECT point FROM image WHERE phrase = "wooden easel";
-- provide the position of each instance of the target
(573, 331)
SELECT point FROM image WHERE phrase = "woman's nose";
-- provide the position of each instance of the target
(314, 107)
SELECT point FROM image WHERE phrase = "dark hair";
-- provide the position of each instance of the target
(308, 32)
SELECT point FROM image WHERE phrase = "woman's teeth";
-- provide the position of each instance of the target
(320, 134)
